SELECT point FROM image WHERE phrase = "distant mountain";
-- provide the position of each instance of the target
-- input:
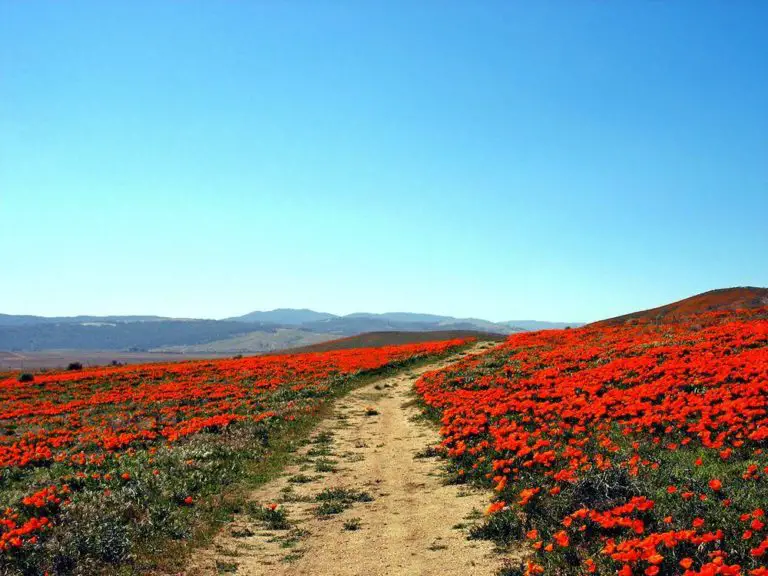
(120, 335)
(411, 321)
(24, 320)
(349, 326)
(253, 332)
(742, 297)
(453, 323)
(402, 317)
(359, 323)
(540, 324)
(284, 316)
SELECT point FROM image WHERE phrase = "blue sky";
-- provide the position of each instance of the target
(558, 160)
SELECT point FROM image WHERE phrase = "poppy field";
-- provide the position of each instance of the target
(634, 449)
(98, 464)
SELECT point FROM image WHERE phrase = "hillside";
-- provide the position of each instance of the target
(738, 298)
(119, 335)
(533, 325)
(259, 341)
(391, 338)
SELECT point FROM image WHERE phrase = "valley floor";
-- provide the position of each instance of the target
(364, 497)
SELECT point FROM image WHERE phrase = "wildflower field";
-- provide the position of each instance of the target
(631, 449)
(101, 466)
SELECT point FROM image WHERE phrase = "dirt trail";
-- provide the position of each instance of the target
(373, 446)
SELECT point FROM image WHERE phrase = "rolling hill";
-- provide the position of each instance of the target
(250, 342)
(131, 336)
(721, 299)
(389, 338)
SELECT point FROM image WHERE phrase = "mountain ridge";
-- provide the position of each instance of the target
(255, 331)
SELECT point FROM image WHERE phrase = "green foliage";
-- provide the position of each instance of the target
(272, 516)
(352, 524)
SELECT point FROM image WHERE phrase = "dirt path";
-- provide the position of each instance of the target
(383, 509)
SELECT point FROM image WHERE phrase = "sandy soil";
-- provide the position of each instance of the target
(415, 524)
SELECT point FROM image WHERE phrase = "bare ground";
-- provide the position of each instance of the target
(373, 447)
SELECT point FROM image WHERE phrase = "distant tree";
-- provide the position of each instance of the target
(74, 366)
(26, 377)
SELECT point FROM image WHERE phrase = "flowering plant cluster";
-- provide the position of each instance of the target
(92, 460)
(633, 449)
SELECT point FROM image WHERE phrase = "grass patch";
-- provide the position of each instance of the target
(427, 452)
(343, 495)
(325, 465)
(503, 528)
(273, 517)
(293, 537)
(293, 556)
(352, 524)
(320, 451)
(300, 479)
(223, 567)
(336, 500)
(331, 507)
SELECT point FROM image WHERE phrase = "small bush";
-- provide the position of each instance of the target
(330, 507)
(352, 524)
(26, 377)
(273, 517)
(74, 366)
(325, 465)
(502, 528)
(336, 500)
(300, 479)
(343, 495)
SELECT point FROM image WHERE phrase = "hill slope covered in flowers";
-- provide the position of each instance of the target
(101, 466)
(630, 449)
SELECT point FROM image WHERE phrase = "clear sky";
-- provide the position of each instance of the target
(557, 160)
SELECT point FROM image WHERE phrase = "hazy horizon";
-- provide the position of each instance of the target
(555, 161)
(87, 314)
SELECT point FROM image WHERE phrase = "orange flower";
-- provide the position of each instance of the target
(655, 559)
(561, 538)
